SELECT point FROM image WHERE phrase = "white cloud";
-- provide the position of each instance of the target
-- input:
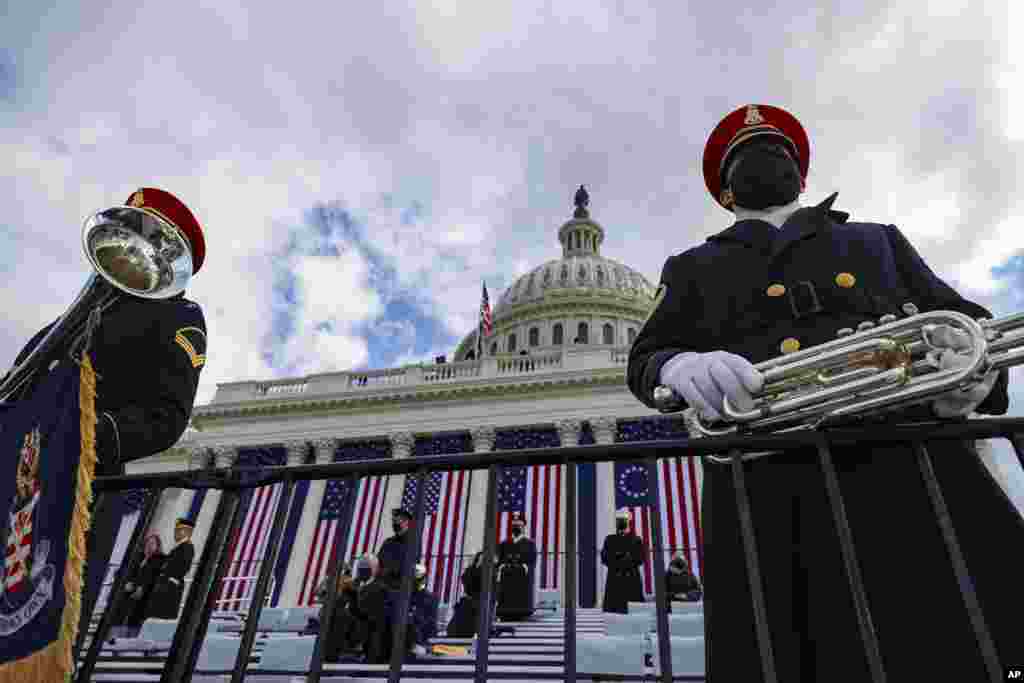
(489, 116)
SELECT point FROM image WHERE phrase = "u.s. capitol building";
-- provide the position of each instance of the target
(552, 372)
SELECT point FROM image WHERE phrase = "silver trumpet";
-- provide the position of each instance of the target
(132, 251)
(878, 368)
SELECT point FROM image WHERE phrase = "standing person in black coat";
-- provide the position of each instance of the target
(165, 600)
(517, 558)
(465, 616)
(623, 553)
(132, 609)
(147, 354)
(392, 550)
(782, 278)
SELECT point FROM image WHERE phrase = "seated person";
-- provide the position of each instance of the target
(346, 635)
(680, 583)
(422, 622)
(372, 607)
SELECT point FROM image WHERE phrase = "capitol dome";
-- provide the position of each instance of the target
(581, 299)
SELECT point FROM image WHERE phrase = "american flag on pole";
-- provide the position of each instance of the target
(367, 513)
(445, 501)
(535, 492)
(249, 547)
(486, 327)
(680, 524)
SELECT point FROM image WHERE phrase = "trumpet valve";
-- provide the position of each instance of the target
(865, 326)
(910, 309)
(844, 332)
(887, 318)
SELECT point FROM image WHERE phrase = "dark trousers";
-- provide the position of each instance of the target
(922, 625)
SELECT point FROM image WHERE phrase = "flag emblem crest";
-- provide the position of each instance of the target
(27, 579)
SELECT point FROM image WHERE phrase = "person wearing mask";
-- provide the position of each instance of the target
(680, 583)
(466, 615)
(422, 618)
(623, 553)
(373, 606)
(345, 636)
(132, 608)
(517, 558)
(785, 277)
(392, 550)
(169, 588)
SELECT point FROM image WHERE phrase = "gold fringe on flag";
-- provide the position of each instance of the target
(54, 662)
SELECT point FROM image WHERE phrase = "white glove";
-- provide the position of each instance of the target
(705, 379)
(958, 402)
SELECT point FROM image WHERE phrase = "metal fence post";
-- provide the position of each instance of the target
(188, 638)
(132, 557)
(409, 560)
(764, 639)
(956, 557)
(483, 631)
(571, 566)
(860, 599)
(334, 563)
(658, 564)
(263, 582)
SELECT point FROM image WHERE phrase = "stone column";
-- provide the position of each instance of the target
(483, 442)
(401, 447)
(220, 457)
(568, 436)
(604, 429)
(323, 453)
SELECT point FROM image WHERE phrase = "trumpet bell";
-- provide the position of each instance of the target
(138, 252)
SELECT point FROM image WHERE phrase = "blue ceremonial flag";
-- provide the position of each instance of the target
(631, 487)
(47, 444)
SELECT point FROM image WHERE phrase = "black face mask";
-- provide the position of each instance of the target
(396, 527)
(764, 175)
(622, 525)
(517, 531)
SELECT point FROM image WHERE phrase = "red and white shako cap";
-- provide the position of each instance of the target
(171, 209)
(740, 126)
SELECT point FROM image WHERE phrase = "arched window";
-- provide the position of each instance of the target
(494, 349)
(511, 343)
(631, 335)
(600, 276)
(557, 335)
(565, 273)
(534, 336)
(607, 334)
(582, 334)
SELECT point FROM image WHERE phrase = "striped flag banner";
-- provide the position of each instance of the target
(250, 545)
(535, 492)
(446, 499)
(677, 495)
(367, 513)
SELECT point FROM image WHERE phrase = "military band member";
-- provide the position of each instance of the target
(784, 277)
(165, 600)
(147, 354)
(623, 553)
(517, 558)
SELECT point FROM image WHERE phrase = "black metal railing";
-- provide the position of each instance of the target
(210, 572)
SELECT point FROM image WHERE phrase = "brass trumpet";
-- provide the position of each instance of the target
(878, 368)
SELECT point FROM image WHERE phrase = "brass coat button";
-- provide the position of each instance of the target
(846, 280)
(790, 345)
(775, 290)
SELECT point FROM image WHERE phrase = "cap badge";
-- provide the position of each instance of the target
(753, 115)
(137, 200)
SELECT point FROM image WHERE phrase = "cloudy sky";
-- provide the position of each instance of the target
(360, 168)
